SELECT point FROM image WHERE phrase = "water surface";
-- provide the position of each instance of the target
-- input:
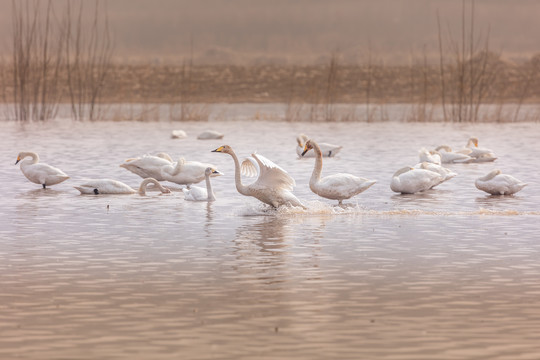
(448, 274)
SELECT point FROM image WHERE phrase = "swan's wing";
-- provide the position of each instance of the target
(271, 175)
(249, 167)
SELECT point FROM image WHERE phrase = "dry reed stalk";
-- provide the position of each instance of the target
(88, 53)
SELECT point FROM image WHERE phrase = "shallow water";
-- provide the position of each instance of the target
(449, 274)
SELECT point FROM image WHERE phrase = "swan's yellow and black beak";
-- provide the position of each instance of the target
(18, 159)
(219, 149)
(216, 172)
(305, 150)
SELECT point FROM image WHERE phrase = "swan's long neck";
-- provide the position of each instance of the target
(33, 155)
(173, 171)
(211, 196)
(145, 182)
(491, 175)
(237, 176)
(316, 175)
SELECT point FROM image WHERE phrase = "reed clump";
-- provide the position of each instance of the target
(67, 58)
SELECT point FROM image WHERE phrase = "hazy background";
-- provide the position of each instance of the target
(302, 31)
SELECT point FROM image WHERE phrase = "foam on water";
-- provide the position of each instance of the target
(320, 208)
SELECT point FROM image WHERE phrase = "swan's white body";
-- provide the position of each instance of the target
(496, 183)
(150, 166)
(162, 168)
(196, 193)
(187, 172)
(477, 154)
(337, 186)
(410, 180)
(39, 173)
(446, 174)
(178, 134)
(210, 134)
(327, 150)
(429, 156)
(450, 157)
(273, 185)
(108, 186)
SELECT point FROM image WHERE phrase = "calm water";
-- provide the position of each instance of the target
(449, 274)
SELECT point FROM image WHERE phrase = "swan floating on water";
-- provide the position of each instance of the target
(496, 183)
(178, 134)
(478, 154)
(450, 157)
(39, 173)
(429, 156)
(273, 185)
(187, 172)
(162, 168)
(210, 134)
(446, 174)
(327, 150)
(196, 193)
(149, 166)
(409, 180)
(335, 187)
(108, 186)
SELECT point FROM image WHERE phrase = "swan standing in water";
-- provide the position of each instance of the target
(335, 187)
(496, 183)
(39, 173)
(409, 180)
(196, 193)
(273, 185)
(327, 150)
(108, 186)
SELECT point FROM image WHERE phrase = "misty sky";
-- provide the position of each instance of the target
(303, 31)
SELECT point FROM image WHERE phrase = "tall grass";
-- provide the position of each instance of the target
(53, 52)
(88, 53)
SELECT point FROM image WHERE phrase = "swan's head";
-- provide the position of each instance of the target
(212, 172)
(24, 154)
(308, 146)
(472, 141)
(224, 149)
(301, 139)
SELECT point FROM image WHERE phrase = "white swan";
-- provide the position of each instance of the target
(196, 193)
(39, 173)
(273, 185)
(178, 134)
(478, 154)
(409, 180)
(149, 166)
(496, 183)
(446, 174)
(450, 157)
(429, 156)
(327, 150)
(335, 187)
(210, 134)
(108, 186)
(187, 172)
